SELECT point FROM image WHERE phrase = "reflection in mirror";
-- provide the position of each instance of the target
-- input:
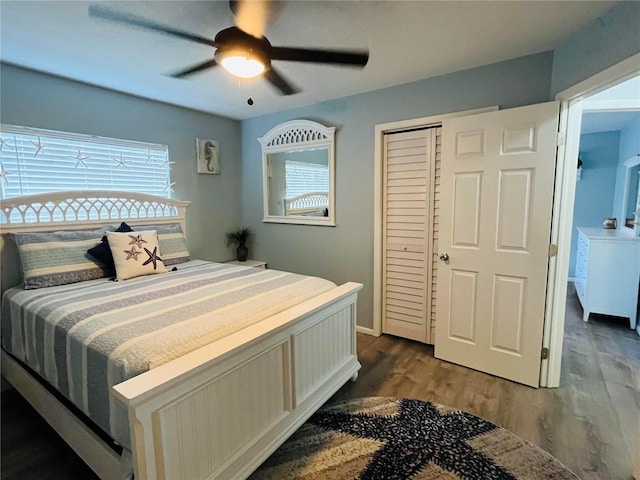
(298, 172)
(632, 195)
(630, 200)
(298, 183)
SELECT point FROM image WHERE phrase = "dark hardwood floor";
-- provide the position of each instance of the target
(589, 423)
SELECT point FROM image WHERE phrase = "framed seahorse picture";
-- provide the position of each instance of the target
(208, 156)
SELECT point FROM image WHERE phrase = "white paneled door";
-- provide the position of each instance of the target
(497, 191)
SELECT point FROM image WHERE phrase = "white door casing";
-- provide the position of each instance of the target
(497, 189)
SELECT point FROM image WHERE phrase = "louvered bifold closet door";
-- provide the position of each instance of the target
(407, 206)
(435, 229)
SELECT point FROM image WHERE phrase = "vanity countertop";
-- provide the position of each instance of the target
(622, 235)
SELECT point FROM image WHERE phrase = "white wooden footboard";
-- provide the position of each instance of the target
(220, 411)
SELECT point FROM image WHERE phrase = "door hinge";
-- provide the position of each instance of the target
(553, 250)
(545, 353)
(561, 138)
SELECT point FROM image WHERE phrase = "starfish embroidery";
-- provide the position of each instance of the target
(416, 436)
(39, 146)
(152, 257)
(133, 253)
(80, 159)
(137, 240)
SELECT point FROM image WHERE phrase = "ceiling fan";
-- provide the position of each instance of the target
(242, 49)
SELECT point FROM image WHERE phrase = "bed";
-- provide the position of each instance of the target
(308, 204)
(218, 410)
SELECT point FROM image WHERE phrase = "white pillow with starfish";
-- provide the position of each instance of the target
(135, 254)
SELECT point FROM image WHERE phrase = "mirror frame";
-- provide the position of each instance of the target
(295, 136)
(629, 164)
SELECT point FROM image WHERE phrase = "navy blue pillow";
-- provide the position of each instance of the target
(102, 251)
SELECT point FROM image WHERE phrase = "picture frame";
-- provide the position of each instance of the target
(208, 156)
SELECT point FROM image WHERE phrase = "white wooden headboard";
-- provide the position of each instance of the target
(78, 210)
(306, 203)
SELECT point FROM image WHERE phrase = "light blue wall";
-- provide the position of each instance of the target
(37, 100)
(630, 139)
(594, 192)
(611, 39)
(219, 202)
(345, 252)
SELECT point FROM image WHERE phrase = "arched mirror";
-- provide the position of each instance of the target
(298, 173)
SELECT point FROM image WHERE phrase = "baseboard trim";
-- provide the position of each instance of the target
(366, 331)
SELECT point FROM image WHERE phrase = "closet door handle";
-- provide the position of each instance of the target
(444, 257)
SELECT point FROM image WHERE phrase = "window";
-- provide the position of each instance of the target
(302, 177)
(40, 161)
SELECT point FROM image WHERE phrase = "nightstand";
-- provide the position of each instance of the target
(250, 263)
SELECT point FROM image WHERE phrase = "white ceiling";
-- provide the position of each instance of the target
(407, 40)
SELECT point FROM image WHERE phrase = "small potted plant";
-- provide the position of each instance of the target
(240, 238)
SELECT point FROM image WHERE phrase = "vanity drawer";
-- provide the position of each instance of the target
(607, 272)
(583, 245)
(581, 270)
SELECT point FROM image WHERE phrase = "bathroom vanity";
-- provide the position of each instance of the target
(608, 272)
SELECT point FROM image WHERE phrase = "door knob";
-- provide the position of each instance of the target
(444, 257)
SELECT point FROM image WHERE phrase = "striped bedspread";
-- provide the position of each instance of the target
(85, 337)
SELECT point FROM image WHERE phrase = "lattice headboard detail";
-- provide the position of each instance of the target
(48, 210)
(306, 203)
(78, 210)
(300, 134)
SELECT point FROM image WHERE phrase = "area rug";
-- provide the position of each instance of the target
(390, 438)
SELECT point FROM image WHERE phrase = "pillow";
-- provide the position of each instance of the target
(103, 253)
(135, 253)
(48, 259)
(172, 243)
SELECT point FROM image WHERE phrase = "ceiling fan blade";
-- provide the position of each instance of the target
(279, 82)
(355, 58)
(195, 69)
(253, 16)
(106, 13)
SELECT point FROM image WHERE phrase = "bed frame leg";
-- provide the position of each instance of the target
(354, 377)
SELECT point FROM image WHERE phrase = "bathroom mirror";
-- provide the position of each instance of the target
(298, 173)
(630, 193)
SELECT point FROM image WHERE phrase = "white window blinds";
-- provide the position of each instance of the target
(301, 177)
(40, 161)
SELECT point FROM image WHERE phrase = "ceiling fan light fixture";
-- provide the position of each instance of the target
(241, 63)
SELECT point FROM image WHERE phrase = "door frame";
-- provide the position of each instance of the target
(380, 130)
(562, 216)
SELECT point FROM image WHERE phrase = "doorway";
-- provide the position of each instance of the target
(572, 102)
(607, 188)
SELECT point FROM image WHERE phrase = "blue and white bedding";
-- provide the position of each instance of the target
(85, 337)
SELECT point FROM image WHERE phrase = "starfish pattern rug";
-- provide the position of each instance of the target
(389, 438)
